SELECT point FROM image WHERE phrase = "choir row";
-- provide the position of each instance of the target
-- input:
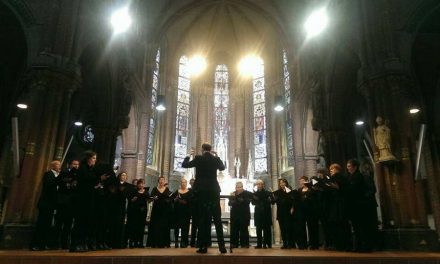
(94, 209)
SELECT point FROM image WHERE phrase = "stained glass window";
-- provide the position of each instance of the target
(287, 96)
(259, 116)
(152, 127)
(182, 114)
(221, 103)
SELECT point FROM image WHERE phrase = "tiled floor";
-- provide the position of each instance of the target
(239, 256)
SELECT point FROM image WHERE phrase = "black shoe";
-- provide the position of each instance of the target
(92, 247)
(222, 250)
(36, 249)
(78, 249)
(105, 247)
(258, 246)
(203, 250)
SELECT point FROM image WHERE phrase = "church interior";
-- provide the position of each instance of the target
(279, 88)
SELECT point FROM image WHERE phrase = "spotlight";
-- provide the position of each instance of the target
(359, 123)
(279, 104)
(316, 22)
(78, 123)
(196, 65)
(414, 110)
(120, 20)
(250, 66)
(160, 103)
(22, 106)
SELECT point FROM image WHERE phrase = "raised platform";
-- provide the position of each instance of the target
(188, 255)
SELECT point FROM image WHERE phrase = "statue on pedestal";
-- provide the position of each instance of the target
(382, 140)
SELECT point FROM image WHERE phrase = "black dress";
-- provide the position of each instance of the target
(182, 211)
(263, 200)
(160, 222)
(308, 215)
(240, 218)
(139, 205)
(284, 201)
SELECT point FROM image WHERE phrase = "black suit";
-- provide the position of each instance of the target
(362, 210)
(64, 217)
(46, 206)
(207, 190)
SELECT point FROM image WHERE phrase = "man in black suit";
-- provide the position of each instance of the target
(66, 189)
(361, 207)
(46, 207)
(207, 190)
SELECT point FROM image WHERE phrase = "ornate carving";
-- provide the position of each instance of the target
(59, 153)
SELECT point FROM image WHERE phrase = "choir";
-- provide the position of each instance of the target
(93, 209)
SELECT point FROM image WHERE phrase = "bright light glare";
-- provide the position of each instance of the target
(78, 123)
(414, 110)
(316, 22)
(22, 106)
(121, 20)
(250, 65)
(196, 65)
(160, 107)
(278, 108)
(359, 123)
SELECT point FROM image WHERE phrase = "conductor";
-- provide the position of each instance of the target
(207, 191)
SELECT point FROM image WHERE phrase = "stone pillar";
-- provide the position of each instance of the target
(105, 143)
(403, 210)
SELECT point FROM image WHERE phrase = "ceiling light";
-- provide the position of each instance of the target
(22, 106)
(316, 22)
(251, 65)
(121, 20)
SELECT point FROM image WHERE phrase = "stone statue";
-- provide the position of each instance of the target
(221, 149)
(382, 140)
(237, 167)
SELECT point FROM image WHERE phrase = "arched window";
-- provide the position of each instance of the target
(259, 103)
(182, 114)
(289, 123)
(221, 103)
(152, 128)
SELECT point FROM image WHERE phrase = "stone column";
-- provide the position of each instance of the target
(403, 211)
